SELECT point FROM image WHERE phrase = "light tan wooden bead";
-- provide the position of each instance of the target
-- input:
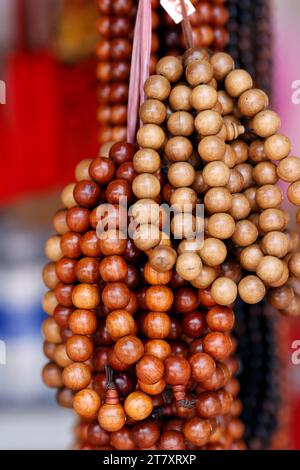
(268, 196)
(52, 248)
(181, 174)
(240, 207)
(236, 181)
(206, 277)
(265, 123)
(250, 194)
(294, 239)
(245, 233)
(153, 112)
(252, 102)
(216, 174)
(283, 278)
(150, 136)
(294, 264)
(162, 258)
(180, 98)
(269, 269)
(251, 256)
(203, 97)
(265, 173)
(146, 186)
(221, 225)
(190, 246)
(224, 291)
(181, 123)
(105, 149)
(49, 302)
(257, 152)
(82, 170)
(170, 67)
(178, 149)
(277, 147)
(146, 236)
(246, 171)
(49, 275)
(288, 169)
(294, 193)
(251, 289)
(183, 199)
(208, 122)
(218, 200)
(51, 331)
(275, 244)
(211, 148)
(188, 266)
(157, 87)
(183, 226)
(213, 252)
(222, 64)
(60, 356)
(199, 72)
(237, 82)
(272, 219)
(229, 157)
(241, 150)
(146, 161)
(146, 211)
(67, 196)
(226, 102)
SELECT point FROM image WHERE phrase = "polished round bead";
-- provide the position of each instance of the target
(157, 347)
(157, 87)
(208, 122)
(120, 323)
(221, 225)
(149, 370)
(197, 431)
(129, 349)
(86, 403)
(224, 291)
(79, 348)
(146, 161)
(181, 123)
(213, 252)
(188, 266)
(178, 148)
(216, 174)
(252, 102)
(156, 325)
(180, 98)
(138, 406)
(211, 148)
(222, 64)
(269, 269)
(199, 72)
(85, 296)
(251, 289)
(153, 112)
(266, 123)
(83, 322)
(218, 345)
(170, 67)
(237, 82)
(76, 376)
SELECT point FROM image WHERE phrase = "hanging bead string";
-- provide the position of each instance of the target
(140, 62)
(186, 27)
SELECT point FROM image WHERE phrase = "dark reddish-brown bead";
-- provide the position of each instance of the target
(102, 170)
(62, 315)
(185, 300)
(171, 440)
(125, 383)
(63, 293)
(65, 270)
(89, 244)
(116, 295)
(78, 219)
(118, 191)
(113, 269)
(100, 358)
(70, 245)
(126, 171)
(194, 324)
(220, 319)
(145, 434)
(122, 152)
(87, 270)
(87, 193)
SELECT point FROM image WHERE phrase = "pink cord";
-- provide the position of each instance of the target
(140, 62)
